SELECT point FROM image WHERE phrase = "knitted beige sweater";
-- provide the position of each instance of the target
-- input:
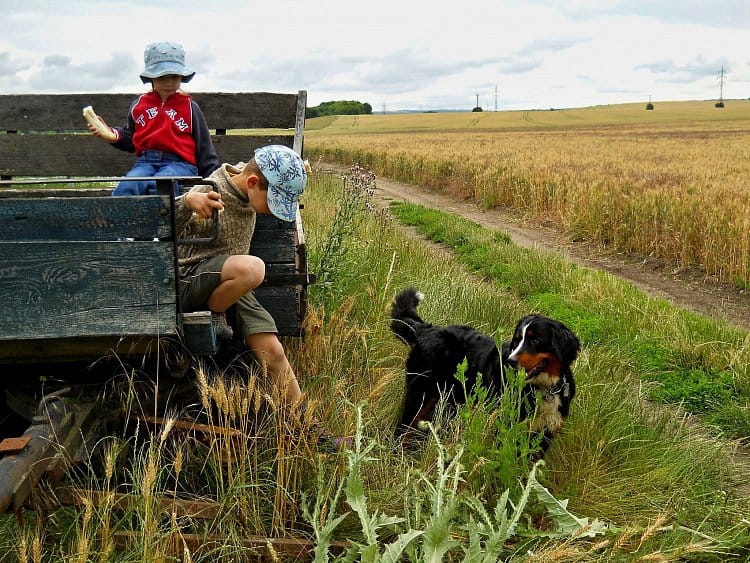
(236, 222)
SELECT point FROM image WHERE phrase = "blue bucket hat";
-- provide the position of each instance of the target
(165, 58)
(285, 171)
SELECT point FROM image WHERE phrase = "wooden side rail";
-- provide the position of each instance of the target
(45, 136)
(69, 271)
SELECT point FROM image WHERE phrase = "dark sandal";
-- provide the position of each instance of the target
(222, 330)
(325, 440)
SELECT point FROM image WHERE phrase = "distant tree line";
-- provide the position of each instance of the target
(340, 107)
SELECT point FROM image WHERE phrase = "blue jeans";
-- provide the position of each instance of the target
(154, 163)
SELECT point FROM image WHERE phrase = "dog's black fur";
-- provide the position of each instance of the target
(545, 348)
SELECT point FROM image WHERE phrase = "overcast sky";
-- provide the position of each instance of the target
(405, 54)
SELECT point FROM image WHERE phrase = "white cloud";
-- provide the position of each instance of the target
(689, 71)
(10, 67)
(544, 53)
(59, 73)
(717, 13)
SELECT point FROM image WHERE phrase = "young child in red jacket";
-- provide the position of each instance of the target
(166, 128)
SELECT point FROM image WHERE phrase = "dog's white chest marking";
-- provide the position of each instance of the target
(548, 415)
(543, 380)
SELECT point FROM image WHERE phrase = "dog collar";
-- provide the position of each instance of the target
(561, 387)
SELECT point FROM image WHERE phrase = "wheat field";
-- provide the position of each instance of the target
(671, 183)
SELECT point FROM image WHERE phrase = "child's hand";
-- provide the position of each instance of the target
(98, 130)
(203, 203)
(98, 126)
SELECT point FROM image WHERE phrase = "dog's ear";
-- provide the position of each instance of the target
(565, 343)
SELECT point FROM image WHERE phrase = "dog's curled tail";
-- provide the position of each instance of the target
(404, 318)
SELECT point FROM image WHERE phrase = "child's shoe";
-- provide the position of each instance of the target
(222, 330)
(324, 440)
(328, 442)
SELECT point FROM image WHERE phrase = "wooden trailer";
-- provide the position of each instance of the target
(70, 287)
(74, 288)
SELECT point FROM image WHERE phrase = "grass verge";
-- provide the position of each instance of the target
(689, 359)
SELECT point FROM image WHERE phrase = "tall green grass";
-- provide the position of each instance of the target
(619, 437)
(629, 457)
(640, 481)
(690, 360)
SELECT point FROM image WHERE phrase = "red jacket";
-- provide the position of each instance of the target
(176, 126)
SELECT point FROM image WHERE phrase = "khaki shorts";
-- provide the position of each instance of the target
(249, 316)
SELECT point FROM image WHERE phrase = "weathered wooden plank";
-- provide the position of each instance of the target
(274, 269)
(287, 327)
(51, 112)
(198, 509)
(85, 218)
(240, 148)
(274, 240)
(273, 248)
(256, 110)
(264, 222)
(181, 425)
(273, 280)
(60, 289)
(75, 348)
(283, 304)
(246, 548)
(20, 191)
(85, 155)
(75, 216)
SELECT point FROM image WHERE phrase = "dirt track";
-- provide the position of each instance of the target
(686, 289)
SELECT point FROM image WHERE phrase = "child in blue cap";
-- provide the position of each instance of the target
(222, 273)
(165, 127)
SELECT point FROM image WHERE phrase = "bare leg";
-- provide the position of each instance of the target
(240, 274)
(268, 350)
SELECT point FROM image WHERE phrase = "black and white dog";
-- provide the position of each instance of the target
(543, 347)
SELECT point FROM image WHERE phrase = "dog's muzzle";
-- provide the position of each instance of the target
(537, 369)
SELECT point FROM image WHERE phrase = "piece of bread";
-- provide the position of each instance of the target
(106, 133)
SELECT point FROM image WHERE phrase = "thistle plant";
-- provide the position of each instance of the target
(354, 201)
(439, 508)
(496, 440)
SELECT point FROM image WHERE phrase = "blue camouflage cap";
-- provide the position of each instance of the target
(285, 171)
